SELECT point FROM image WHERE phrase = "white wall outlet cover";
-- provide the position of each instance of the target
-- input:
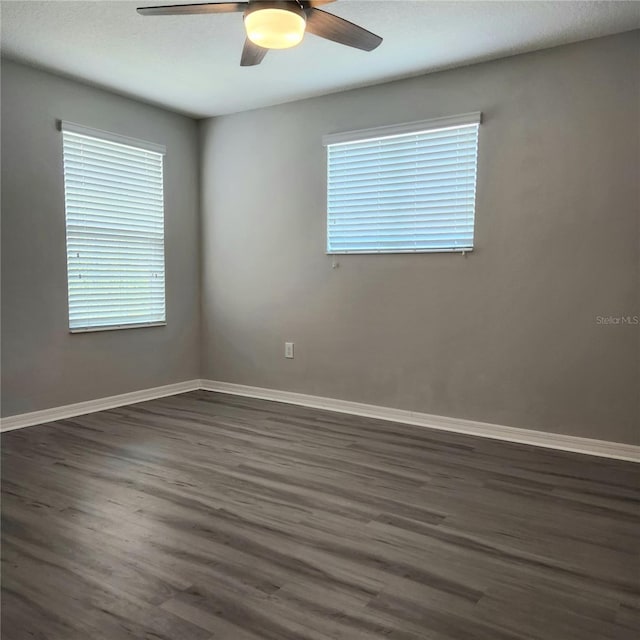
(288, 349)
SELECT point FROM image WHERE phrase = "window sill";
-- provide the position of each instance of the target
(119, 327)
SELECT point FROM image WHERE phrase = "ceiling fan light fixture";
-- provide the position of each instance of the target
(278, 25)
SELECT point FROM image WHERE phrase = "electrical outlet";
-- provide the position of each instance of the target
(288, 349)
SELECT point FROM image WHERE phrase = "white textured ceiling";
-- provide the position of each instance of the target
(191, 63)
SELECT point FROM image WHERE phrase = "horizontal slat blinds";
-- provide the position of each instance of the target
(115, 233)
(413, 192)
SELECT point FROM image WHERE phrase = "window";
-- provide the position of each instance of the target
(403, 189)
(114, 207)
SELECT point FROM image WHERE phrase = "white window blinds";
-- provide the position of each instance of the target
(407, 188)
(115, 230)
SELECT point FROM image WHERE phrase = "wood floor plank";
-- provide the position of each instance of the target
(205, 516)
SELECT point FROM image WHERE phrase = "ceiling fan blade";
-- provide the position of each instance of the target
(331, 27)
(193, 9)
(252, 54)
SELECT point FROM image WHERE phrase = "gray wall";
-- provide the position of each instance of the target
(42, 364)
(508, 334)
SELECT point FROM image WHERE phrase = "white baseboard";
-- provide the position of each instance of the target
(576, 444)
(81, 408)
(544, 439)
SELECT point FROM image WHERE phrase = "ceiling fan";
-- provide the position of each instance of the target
(278, 24)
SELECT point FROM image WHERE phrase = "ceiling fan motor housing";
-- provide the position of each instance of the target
(285, 5)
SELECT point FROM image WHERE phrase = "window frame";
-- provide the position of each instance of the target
(389, 131)
(139, 145)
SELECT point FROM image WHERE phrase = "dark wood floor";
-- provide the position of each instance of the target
(208, 516)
